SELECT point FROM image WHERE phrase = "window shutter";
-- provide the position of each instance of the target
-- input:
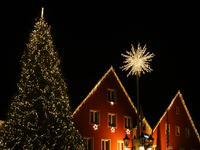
(109, 95)
(90, 144)
(97, 117)
(91, 115)
(114, 120)
(107, 145)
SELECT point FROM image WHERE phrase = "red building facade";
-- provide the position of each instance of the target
(182, 131)
(106, 115)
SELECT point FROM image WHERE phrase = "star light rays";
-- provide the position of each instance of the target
(137, 61)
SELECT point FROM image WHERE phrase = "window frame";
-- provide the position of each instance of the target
(87, 138)
(90, 121)
(112, 114)
(179, 129)
(177, 110)
(109, 95)
(187, 129)
(120, 142)
(105, 139)
(128, 117)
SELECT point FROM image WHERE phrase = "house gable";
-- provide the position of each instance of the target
(99, 119)
(179, 119)
(110, 71)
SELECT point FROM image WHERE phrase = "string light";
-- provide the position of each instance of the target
(39, 116)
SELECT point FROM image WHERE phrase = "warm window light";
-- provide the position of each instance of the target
(141, 148)
(112, 129)
(95, 127)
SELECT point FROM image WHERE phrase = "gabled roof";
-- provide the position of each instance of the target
(98, 84)
(188, 114)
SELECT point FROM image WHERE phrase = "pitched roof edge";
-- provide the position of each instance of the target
(165, 111)
(98, 83)
(190, 118)
(124, 90)
(188, 113)
(92, 91)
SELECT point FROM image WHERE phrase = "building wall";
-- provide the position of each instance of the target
(182, 120)
(98, 101)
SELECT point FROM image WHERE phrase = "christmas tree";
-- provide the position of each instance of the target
(40, 116)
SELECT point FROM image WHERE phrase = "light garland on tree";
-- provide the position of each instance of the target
(40, 116)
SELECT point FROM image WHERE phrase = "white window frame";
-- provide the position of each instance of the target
(120, 142)
(112, 114)
(104, 141)
(95, 120)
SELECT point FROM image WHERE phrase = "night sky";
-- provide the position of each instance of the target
(90, 37)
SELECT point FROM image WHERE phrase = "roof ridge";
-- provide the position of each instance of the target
(187, 111)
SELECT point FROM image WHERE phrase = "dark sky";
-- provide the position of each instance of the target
(91, 37)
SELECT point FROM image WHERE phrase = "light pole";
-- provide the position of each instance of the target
(138, 62)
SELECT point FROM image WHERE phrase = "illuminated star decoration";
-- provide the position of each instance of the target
(137, 60)
(128, 131)
(112, 129)
(95, 127)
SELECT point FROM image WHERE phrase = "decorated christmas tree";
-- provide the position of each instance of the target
(39, 116)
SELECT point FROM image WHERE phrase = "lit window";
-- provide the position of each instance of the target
(166, 128)
(120, 145)
(88, 143)
(141, 147)
(112, 120)
(177, 110)
(127, 122)
(94, 117)
(105, 144)
(177, 130)
(187, 132)
(111, 95)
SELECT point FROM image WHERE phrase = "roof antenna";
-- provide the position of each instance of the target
(42, 12)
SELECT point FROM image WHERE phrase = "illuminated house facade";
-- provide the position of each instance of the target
(107, 114)
(182, 131)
